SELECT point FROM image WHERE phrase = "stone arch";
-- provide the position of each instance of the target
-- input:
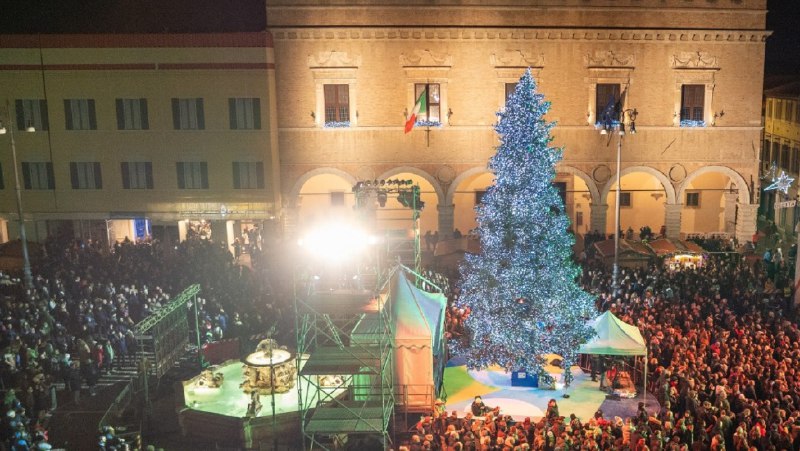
(663, 179)
(590, 183)
(738, 180)
(437, 188)
(298, 184)
(451, 191)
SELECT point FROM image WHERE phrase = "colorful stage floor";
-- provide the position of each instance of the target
(494, 387)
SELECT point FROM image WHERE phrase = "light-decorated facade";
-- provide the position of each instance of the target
(161, 133)
(781, 153)
(348, 74)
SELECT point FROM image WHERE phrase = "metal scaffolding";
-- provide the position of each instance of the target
(163, 335)
(346, 370)
(399, 247)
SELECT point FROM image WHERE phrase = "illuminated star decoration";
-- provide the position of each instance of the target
(781, 183)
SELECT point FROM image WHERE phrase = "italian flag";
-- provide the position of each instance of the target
(421, 107)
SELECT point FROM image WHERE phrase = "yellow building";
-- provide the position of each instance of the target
(348, 74)
(167, 134)
(781, 152)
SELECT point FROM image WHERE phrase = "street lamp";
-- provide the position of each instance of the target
(608, 126)
(26, 261)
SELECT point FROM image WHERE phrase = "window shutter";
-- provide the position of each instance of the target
(73, 175)
(181, 179)
(236, 181)
(26, 175)
(98, 176)
(20, 114)
(260, 174)
(51, 178)
(92, 115)
(204, 174)
(68, 114)
(126, 177)
(176, 114)
(149, 174)
(45, 115)
(330, 103)
(201, 121)
(143, 109)
(232, 113)
(257, 114)
(120, 115)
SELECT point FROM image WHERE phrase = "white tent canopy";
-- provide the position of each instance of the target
(418, 337)
(419, 340)
(615, 337)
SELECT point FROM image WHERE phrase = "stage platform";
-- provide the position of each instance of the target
(220, 414)
(494, 386)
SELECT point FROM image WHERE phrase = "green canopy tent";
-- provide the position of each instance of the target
(615, 337)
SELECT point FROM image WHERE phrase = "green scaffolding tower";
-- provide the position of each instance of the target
(346, 372)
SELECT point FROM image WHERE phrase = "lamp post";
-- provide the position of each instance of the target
(609, 126)
(26, 261)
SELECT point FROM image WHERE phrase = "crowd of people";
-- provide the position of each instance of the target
(723, 350)
(75, 323)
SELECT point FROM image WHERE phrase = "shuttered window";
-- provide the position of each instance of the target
(132, 114)
(192, 175)
(85, 175)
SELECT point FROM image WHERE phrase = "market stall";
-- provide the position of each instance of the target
(632, 254)
(678, 254)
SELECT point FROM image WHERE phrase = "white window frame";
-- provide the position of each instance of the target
(242, 113)
(137, 175)
(694, 77)
(133, 117)
(81, 115)
(32, 114)
(188, 114)
(85, 175)
(249, 174)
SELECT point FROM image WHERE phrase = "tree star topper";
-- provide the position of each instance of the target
(781, 183)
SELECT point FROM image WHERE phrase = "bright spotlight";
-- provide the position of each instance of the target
(336, 242)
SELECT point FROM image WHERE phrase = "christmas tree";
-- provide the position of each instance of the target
(522, 288)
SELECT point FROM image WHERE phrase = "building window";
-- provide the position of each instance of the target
(137, 175)
(692, 104)
(797, 113)
(779, 109)
(337, 105)
(38, 175)
(606, 97)
(432, 114)
(79, 114)
(788, 111)
(479, 196)
(625, 199)
(785, 156)
(132, 114)
(511, 88)
(192, 175)
(795, 160)
(245, 113)
(337, 198)
(693, 199)
(32, 112)
(769, 108)
(765, 151)
(248, 175)
(187, 114)
(85, 175)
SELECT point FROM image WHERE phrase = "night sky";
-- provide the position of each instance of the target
(158, 16)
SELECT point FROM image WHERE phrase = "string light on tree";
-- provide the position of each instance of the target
(522, 288)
